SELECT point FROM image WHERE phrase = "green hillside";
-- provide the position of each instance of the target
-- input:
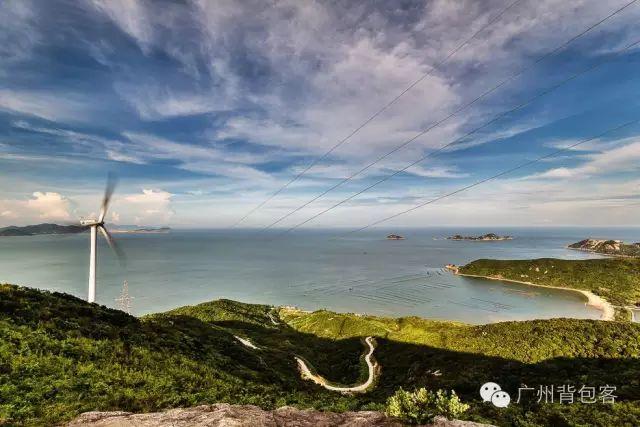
(60, 356)
(34, 230)
(617, 280)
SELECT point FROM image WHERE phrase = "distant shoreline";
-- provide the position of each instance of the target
(607, 309)
(604, 254)
(489, 237)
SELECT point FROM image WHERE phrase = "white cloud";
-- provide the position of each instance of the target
(625, 158)
(50, 205)
(41, 207)
(195, 158)
(149, 207)
(120, 156)
(18, 34)
(44, 104)
(132, 16)
(8, 214)
(156, 103)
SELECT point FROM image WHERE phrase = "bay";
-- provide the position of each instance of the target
(363, 273)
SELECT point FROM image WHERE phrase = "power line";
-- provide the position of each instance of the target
(434, 125)
(377, 113)
(498, 175)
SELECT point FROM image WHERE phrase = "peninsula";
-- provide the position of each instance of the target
(39, 229)
(611, 284)
(490, 237)
(607, 247)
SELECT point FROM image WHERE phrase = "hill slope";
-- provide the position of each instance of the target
(60, 356)
(615, 279)
(34, 230)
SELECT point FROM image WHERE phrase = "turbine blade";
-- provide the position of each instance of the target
(114, 246)
(108, 192)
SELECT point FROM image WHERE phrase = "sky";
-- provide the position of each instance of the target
(203, 109)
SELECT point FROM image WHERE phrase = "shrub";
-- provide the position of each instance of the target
(422, 405)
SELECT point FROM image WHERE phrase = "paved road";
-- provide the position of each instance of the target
(306, 373)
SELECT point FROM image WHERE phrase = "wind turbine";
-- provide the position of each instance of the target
(95, 225)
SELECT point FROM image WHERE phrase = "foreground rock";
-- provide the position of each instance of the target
(223, 415)
(607, 247)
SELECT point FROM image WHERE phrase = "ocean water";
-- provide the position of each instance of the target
(363, 273)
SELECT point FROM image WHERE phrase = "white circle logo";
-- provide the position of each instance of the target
(487, 390)
(500, 399)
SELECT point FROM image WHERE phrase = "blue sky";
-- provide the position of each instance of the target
(205, 108)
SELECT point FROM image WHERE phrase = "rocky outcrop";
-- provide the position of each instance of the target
(484, 237)
(225, 415)
(607, 247)
(395, 237)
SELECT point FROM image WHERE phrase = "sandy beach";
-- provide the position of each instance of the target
(593, 300)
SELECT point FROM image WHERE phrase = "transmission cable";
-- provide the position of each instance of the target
(377, 113)
(449, 144)
(505, 172)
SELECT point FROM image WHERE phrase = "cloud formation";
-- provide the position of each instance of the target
(149, 207)
(41, 207)
(225, 101)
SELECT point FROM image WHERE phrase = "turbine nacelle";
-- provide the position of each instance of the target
(90, 222)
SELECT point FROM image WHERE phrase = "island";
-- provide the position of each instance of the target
(489, 237)
(40, 229)
(609, 284)
(395, 237)
(144, 230)
(607, 247)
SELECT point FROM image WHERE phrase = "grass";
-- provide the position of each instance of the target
(616, 280)
(60, 356)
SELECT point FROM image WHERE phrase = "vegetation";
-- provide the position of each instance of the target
(33, 230)
(422, 405)
(608, 247)
(60, 356)
(616, 279)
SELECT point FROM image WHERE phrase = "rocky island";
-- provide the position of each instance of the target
(490, 237)
(607, 247)
(395, 237)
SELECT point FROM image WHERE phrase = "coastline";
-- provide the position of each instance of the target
(603, 254)
(593, 300)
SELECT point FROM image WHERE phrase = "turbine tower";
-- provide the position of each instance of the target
(95, 225)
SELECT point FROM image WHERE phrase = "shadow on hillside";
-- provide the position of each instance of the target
(403, 364)
(410, 365)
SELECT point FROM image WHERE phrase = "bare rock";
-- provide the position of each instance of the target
(225, 415)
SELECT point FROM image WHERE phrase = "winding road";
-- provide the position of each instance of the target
(306, 373)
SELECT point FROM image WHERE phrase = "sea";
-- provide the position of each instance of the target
(310, 269)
